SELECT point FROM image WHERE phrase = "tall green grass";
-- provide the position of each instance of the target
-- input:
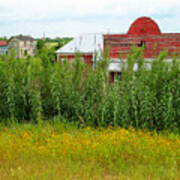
(33, 90)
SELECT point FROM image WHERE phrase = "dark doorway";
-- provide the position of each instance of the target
(142, 44)
(114, 75)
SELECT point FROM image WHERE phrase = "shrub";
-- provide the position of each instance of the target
(31, 90)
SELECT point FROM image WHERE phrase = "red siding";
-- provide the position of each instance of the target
(88, 59)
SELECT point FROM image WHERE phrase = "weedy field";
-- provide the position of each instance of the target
(36, 89)
(64, 151)
(51, 44)
(47, 96)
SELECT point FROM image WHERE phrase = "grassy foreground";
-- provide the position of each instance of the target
(65, 152)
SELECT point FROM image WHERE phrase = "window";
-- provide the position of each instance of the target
(25, 52)
(142, 44)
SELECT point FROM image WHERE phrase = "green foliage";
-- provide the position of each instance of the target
(57, 43)
(35, 89)
(60, 41)
(3, 38)
(40, 44)
(47, 47)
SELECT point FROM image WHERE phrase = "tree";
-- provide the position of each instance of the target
(40, 44)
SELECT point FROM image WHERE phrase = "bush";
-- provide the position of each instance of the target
(32, 90)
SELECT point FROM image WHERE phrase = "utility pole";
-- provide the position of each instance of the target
(44, 36)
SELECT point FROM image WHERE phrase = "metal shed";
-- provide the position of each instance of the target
(86, 44)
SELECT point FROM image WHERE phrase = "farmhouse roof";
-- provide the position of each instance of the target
(86, 43)
(24, 38)
(3, 43)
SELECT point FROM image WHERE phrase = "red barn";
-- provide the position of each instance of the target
(143, 32)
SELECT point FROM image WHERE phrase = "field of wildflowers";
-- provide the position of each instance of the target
(63, 151)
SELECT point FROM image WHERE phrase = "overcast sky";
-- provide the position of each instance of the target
(59, 18)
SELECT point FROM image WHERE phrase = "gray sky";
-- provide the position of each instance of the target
(59, 18)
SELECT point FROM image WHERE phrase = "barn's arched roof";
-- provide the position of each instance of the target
(144, 26)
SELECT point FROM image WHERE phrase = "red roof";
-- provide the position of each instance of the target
(3, 43)
(144, 26)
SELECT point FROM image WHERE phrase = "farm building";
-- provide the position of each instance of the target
(87, 45)
(3, 48)
(23, 45)
(144, 32)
